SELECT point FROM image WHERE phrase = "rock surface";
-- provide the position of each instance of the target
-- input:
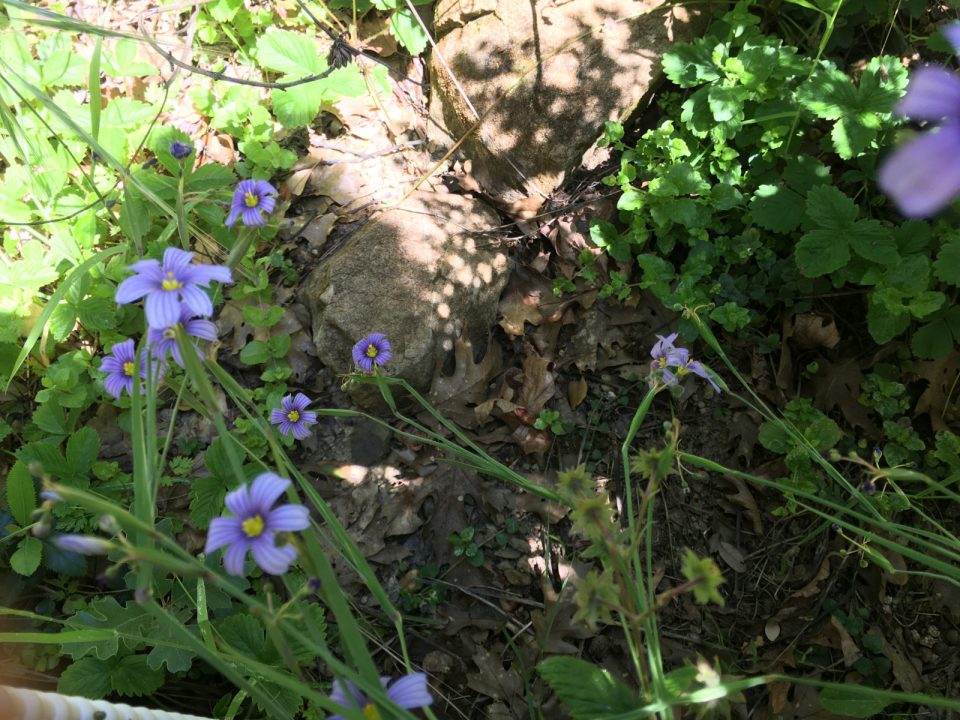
(597, 60)
(421, 273)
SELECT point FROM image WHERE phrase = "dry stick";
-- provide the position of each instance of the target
(560, 50)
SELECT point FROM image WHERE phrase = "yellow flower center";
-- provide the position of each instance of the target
(171, 284)
(253, 526)
(293, 416)
(250, 200)
(128, 369)
(372, 351)
(662, 362)
(370, 712)
(170, 333)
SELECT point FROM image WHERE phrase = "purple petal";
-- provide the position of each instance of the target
(203, 329)
(176, 261)
(663, 346)
(676, 357)
(203, 275)
(288, 518)
(111, 364)
(234, 214)
(277, 416)
(238, 502)
(286, 427)
(359, 350)
(287, 403)
(268, 204)
(272, 559)
(115, 385)
(125, 351)
(135, 287)
(411, 692)
(300, 402)
(952, 33)
(300, 431)
(933, 94)
(234, 556)
(244, 187)
(384, 355)
(923, 176)
(366, 364)
(265, 491)
(699, 370)
(260, 188)
(224, 531)
(346, 694)
(308, 417)
(252, 217)
(162, 308)
(197, 300)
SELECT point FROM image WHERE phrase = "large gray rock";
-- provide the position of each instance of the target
(597, 60)
(419, 273)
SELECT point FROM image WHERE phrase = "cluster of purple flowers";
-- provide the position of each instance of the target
(670, 363)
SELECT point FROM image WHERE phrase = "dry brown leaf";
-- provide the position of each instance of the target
(939, 400)
(576, 392)
(732, 556)
(837, 386)
(538, 384)
(904, 670)
(813, 330)
(744, 498)
(848, 646)
(492, 680)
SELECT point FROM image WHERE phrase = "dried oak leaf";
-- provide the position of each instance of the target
(939, 400)
(456, 396)
(837, 386)
(813, 330)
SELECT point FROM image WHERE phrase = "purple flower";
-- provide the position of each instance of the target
(83, 544)
(167, 284)
(163, 340)
(923, 176)
(409, 692)
(252, 201)
(293, 416)
(670, 363)
(180, 150)
(254, 526)
(372, 350)
(119, 366)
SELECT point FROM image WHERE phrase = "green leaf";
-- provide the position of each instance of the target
(290, 53)
(883, 323)
(689, 65)
(947, 265)
(777, 208)
(212, 176)
(852, 701)
(731, 316)
(820, 252)
(88, 678)
(587, 691)
(262, 317)
(255, 353)
(21, 493)
(933, 340)
(206, 500)
(830, 208)
(97, 313)
(26, 559)
(405, 28)
(872, 240)
(297, 106)
(82, 450)
(130, 621)
(926, 303)
(133, 676)
(245, 634)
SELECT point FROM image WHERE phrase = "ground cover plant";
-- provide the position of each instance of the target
(198, 517)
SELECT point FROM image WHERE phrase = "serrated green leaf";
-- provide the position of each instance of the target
(206, 500)
(130, 621)
(820, 252)
(62, 320)
(97, 313)
(725, 104)
(82, 450)
(212, 176)
(405, 28)
(872, 240)
(255, 353)
(299, 105)
(26, 559)
(947, 265)
(883, 323)
(926, 303)
(777, 208)
(21, 493)
(245, 634)
(262, 317)
(830, 208)
(587, 691)
(88, 678)
(290, 53)
(690, 64)
(132, 676)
